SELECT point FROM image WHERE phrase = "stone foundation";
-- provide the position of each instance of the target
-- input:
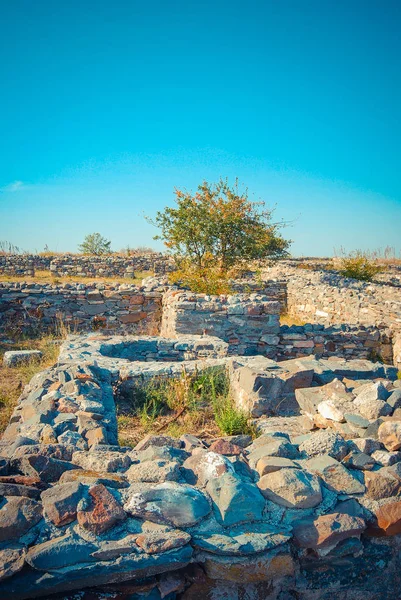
(308, 510)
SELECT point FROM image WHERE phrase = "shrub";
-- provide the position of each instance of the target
(359, 265)
(95, 244)
(228, 418)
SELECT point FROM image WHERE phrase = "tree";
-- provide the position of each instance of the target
(94, 243)
(219, 227)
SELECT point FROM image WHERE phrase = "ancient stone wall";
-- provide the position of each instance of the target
(325, 297)
(33, 308)
(84, 266)
(250, 323)
(345, 341)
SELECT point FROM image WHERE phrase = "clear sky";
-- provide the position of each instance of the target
(107, 105)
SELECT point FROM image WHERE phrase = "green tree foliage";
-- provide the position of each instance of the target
(96, 244)
(217, 229)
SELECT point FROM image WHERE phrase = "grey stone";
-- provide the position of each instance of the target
(325, 442)
(292, 488)
(234, 500)
(15, 358)
(171, 503)
(336, 477)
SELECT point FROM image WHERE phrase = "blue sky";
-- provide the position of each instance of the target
(105, 107)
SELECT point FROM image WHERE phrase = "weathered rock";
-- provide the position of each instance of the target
(382, 484)
(371, 391)
(154, 471)
(327, 530)
(12, 560)
(336, 477)
(270, 464)
(367, 445)
(61, 552)
(45, 468)
(359, 461)
(386, 459)
(17, 516)
(251, 538)
(278, 448)
(112, 480)
(174, 504)
(234, 500)
(389, 519)
(103, 511)
(389, 434)
(15, 358)
(153, 542)
(327, 442)
(226, 448)
(203, 466)
(292, 488)
(102, 461)
(329, 410)
(60, 502)
(373, 409)
(12, 489)
(157, 440)
(309, 399)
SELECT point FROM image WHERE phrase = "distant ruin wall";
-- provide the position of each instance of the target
(33, 308)
(327, 298)
(85, 266)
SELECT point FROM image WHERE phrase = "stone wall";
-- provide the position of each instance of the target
(250, 323)
(84, 266)
(325, 297)
(33, 308)
(345, 341)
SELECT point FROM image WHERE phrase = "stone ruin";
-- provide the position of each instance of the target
(309, 509)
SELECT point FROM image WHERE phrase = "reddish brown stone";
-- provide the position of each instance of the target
(132, 317)
(389, 518)
(137, 300)
(103, 513)
(65, 405)
(22, 480)
(227, 448)
(327, 530)
(96, 436)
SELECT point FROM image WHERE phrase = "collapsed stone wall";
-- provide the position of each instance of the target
(250, 323)
(34, 308)
(85, 266)
(295, 514)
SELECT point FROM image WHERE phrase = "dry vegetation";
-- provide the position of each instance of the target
(200, 405)
(12, 381)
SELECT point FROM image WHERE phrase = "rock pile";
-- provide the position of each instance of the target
(311, 508)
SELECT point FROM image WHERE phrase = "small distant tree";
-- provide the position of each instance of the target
(96, 244)
(215, 230)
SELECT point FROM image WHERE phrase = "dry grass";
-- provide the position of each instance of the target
(48, 277)
(286, 319)
(12, 381)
